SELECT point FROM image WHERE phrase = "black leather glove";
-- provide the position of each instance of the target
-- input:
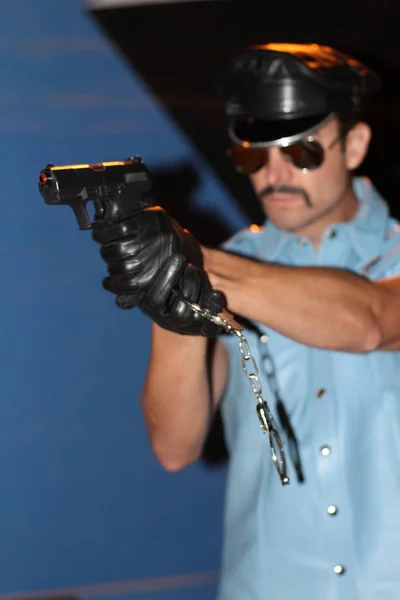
(136, 248)
(152, 261)
(175, 280)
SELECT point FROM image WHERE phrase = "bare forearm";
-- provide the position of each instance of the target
(176, 397)
(322, 307)
(319, 307)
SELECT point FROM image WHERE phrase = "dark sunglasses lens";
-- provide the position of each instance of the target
(248, 160)
(305, 154)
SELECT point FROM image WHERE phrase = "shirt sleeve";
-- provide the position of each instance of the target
(387, 265)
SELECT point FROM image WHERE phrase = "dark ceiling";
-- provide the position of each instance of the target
(181, 49)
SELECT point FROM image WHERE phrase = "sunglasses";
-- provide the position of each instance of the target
(307, 154)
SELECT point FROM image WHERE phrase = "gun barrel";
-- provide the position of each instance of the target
(81, 182)
(115, 187)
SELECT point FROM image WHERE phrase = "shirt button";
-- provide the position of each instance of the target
(325, 450)
(263, 338)
(332, 233)
(339, 569)
(332, 510)
(301, 242)
(321, 392)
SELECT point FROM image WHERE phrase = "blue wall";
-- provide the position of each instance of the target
(84, 506)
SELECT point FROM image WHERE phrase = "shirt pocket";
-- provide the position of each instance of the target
(284, 365)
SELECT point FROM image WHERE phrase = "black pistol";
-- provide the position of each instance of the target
(116, 189)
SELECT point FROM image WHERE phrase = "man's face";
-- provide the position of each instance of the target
(293, 199)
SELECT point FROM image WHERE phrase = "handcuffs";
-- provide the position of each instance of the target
(228, 323)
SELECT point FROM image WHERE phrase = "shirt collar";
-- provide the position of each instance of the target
(366, 231)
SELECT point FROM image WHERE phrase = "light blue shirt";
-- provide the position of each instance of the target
(336, 536)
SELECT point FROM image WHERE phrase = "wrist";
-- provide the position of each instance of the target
(180, 341)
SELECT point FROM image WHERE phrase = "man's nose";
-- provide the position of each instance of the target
(277, 169)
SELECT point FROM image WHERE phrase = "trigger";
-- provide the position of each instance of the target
(81, 215)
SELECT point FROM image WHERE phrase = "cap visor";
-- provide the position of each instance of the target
(273, 133)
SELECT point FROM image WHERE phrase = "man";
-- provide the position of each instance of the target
(318, 288)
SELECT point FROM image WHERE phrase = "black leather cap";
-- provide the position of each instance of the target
(278, 93)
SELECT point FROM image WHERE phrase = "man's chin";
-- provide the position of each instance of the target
(288, 221)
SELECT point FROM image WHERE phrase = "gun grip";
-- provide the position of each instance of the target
(81, 215)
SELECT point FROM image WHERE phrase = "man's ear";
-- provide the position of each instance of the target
(357, 143)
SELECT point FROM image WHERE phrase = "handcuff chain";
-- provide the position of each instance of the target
(267, 422)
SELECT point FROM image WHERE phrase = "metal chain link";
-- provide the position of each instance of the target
(227, 322)
(264, 413)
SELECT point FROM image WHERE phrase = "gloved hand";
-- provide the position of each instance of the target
(150, 260)
(136, 248)
(175, 280)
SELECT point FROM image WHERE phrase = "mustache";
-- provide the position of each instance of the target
(285, 189)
